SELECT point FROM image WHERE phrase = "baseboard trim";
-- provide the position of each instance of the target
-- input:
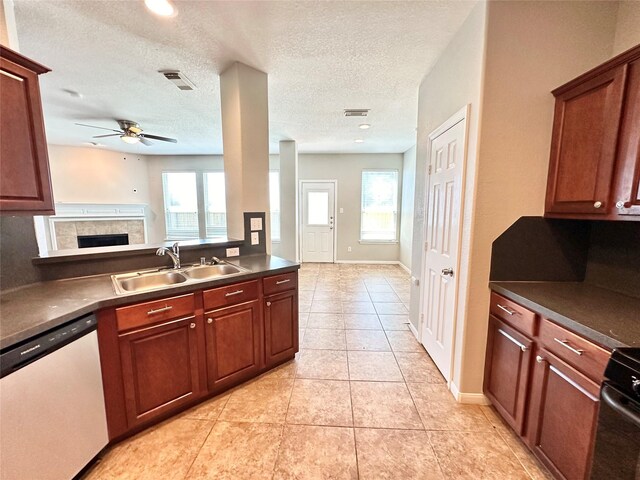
(413, 330)
(468, 398)
(404, 267)
(372, 262)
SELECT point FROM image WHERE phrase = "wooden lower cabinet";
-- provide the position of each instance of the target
(281, 327)
(160, 368)
(232, 344)
(563, 417)
(507, 369)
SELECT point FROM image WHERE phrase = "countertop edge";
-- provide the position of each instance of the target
(574, 325)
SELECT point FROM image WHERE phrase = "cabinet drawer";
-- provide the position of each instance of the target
(515, 315)
(585, 356)
(280, 283)
(230, 295)
(154, 312)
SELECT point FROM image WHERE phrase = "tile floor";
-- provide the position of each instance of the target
(362, 400)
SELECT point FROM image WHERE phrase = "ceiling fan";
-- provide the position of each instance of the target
(130, 132)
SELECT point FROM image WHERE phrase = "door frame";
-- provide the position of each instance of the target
(301, 216)
(461, 115)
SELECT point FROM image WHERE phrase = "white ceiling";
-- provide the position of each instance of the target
(321, 57)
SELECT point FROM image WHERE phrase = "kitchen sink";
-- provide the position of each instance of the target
(158, 279)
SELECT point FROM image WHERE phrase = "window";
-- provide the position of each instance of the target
(274, 204)
(183, 193)
(379, 213)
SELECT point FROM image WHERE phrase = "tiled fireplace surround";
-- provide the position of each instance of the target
(67, 231)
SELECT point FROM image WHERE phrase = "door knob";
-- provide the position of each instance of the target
(447, 271)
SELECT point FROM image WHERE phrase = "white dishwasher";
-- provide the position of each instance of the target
(52, 415)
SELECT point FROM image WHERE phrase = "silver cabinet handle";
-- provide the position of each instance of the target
(565, 344)
(192, 325)
(508, 310)
(209, 320)
(268, 304)
(283, 281)
(522, 347)
(597, 204)
(166, 308)
(230, 294)
(620, 204)
(540, 359)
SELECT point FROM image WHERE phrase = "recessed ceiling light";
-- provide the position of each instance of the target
(359, 140)
(164, 8)
(364, 126)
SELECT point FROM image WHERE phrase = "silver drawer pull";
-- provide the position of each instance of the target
(166, 308)
(565, 344)
(283, 281)
(522, 347)
(508, 310)
(230, 294)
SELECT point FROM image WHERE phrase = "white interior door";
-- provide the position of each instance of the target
(443, 214)
(318, 204)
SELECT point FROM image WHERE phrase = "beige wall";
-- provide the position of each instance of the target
(532, 47)
(628, 26)
(406, 217)
(347, 170)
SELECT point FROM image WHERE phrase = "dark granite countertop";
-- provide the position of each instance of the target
(33, 309)
(603, 316)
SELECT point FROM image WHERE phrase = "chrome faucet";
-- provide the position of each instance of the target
(173, 252)
(215, 260)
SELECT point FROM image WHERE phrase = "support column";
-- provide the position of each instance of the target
(245, 139)
(289, 233)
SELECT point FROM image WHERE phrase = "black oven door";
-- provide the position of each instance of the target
(617, 448)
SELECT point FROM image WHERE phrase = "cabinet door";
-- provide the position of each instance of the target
(281, 327)
(583, 147)
(563, 417)
(25, 184)
(627, 192)
(160, 368)
(233, 344)
(507, 372)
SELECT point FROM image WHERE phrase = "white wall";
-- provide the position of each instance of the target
(347, 170)
(627, 27)
(406, 217)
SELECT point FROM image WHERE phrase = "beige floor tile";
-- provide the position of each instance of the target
(325, 320)
(286, 370)
(374, 366)
(403, 341)
(418, 367)
(385, 297)
(209, 409)
(367, 340)
(320, 402)
(361, 321)
(358, 307)
(303, 319)
(301, 333)
(327, 296)
(238, 451)
(440, 411)
(305, 296)
(389, 308)
(376, 288)
(395, 454)
(394, 322)
(323, 364)
(325, 306)
(311, 453)
(475, 455)
(347, 296)
(264, 400)
(304, 307)
(383, 405)
(166, 451)
(324, 339)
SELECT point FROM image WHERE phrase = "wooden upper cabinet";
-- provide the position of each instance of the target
(25, 183)
(593, 169)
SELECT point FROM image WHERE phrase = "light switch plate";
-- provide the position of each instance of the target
(233, 252)
(256, 224)
(255, 239)
(341, 210)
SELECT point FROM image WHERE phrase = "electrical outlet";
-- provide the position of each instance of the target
(256, 224)
(348, 249)
(255, 239)
(341, 210)
(233, 252)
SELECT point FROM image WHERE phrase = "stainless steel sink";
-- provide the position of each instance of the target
(203, 272)
(139, 282)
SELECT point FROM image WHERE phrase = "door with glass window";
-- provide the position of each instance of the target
(318, 205)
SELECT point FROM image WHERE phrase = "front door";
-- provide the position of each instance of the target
(318, 200)
(443, 215)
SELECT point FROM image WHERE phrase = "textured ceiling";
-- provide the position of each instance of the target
(321, 57)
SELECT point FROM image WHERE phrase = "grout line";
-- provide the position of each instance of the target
(195, 457)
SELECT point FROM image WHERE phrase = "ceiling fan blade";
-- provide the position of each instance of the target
(155, 137)
(101, 128)
(144, 141)
(110, 135)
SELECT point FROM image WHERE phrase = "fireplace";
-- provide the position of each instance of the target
(87, 241)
